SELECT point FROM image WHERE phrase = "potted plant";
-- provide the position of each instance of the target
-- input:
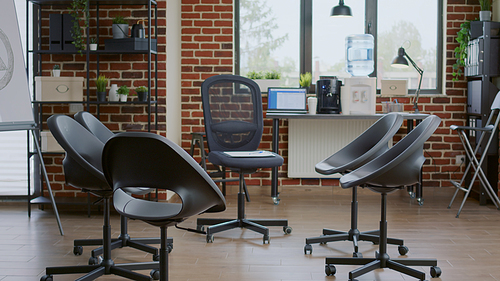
(93, 44)
(101, 83)
(120, 27)
(123, 92)
(56, 70)
(485, 13)
(305, 80)
(142, 93)
(78, 10)
(265, 80)
(463, 37)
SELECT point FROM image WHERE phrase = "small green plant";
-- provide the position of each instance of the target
(78, 10)
(273, 74)
(93, 40)
(119, 20)
(305, 79)
(101, 82)
(463, 37)
(141, 89)
(485, 5)
(123, 90)
(56, 67)
(255, 75)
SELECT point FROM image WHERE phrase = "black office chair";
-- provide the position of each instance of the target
(487, 134)
(232, 110)
(102, 132)
(159, 164)
(393, 170)
(82, 169)
(367, 146)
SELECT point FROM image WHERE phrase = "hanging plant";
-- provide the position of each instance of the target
(79, 10)
(463, 37)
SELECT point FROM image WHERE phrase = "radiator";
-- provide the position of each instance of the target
(310, 141)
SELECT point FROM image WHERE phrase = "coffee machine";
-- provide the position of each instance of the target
(328, 94)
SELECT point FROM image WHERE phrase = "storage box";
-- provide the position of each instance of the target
(129, 44)
(49, 143)
(394, 88)
(58, 88)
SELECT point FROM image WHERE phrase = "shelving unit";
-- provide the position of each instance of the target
(34, 59)
(482, 65)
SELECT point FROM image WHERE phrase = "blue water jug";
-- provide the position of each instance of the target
(359, 54)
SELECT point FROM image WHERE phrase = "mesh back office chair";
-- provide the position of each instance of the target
(490, 130)
(102, 132)
(367, 146)
(159, 164)
(82, 169)
(393, 170)
(233, 116)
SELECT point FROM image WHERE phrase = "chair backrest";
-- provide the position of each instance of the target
(82, 162)
(398, 166)
(370, 144)
(94, 125)
(143, 159)
(232, 110)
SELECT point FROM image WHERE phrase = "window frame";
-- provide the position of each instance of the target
(371, 13)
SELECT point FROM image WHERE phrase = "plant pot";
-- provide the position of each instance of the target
(266, 83)
(123, 98)
(142, 96)
(101, 96)
(120, 31)
(93, 47)
(56, 72)
(113, 96)
(485, 15)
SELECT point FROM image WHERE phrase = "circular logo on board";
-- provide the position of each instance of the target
(6, 60)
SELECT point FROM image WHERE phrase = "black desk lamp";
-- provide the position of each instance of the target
(401, 62)
(341, 10)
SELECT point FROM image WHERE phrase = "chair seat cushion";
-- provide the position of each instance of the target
(222, 159)
(145, 210)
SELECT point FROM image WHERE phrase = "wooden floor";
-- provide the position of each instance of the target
(467, 248)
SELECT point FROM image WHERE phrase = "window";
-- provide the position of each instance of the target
(314, 42)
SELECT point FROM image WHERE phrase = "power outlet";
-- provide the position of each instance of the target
(459, 159)
(75, 107)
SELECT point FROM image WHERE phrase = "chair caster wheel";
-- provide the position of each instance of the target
(403, 250)
(266, 238)
(210, 238)
(276, 200)
(420, 201)
(435, 272)
(357, 255)
(46, 278)
(95, 260)
(287, 229)
(308, 248)
(200, 228)
(330, 270)
(155, 274)
(156, 257)
(77, 250)
(376, 254)
(170, 248)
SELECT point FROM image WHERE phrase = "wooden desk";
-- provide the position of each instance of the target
(413, 120)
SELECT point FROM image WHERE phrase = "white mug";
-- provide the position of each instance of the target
(312, 104)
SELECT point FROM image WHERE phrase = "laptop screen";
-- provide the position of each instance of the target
(286, 99)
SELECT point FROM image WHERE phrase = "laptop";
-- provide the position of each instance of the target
(286, 100)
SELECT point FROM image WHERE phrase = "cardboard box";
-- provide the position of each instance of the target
(58, 88)
(392, 88)
(49, 143)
